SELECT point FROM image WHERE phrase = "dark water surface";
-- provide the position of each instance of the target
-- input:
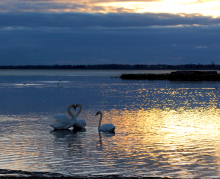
(163, 128)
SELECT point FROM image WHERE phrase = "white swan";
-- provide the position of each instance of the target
(62, 121)
(105, 127)
(80, 123)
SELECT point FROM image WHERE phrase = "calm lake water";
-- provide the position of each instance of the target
(163, 128)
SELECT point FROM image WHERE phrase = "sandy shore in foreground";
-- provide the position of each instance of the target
(5, 173)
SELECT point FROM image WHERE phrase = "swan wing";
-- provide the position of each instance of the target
(62, 122)
(58, 125)
(62, 118)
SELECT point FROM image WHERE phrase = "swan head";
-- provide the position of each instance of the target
(99, 112)
(72, 106)
(78, 105)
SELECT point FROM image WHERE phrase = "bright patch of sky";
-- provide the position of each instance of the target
(211, 8)
(202, 7)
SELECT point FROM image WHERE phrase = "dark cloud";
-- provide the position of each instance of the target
(77, 38)
(111, 20)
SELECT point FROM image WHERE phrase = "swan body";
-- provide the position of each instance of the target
(62, 121)
(105, 127)
(79, 123)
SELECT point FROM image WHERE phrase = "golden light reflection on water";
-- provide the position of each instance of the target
(176, 137)
(160, 131)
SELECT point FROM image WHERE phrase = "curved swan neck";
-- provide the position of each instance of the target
(80, 109)
(100, 120)
(69, 112)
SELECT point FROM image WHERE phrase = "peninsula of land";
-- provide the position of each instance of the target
(176, 76)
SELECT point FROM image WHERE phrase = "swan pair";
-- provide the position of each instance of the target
(63, 122)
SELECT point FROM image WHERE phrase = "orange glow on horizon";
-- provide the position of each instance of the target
(201, 7)
(206, 8)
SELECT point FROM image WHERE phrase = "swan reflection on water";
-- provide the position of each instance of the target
(66, 133)
(62, 133)
(105, 134)
(75, 130)
(70, 139)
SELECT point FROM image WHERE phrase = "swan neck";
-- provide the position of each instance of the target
(80, 109)
(100, 120)
(69, 112)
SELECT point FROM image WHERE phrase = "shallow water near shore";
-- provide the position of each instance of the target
(163, 128)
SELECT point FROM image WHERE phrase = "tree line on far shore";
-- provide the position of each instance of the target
(211, 66)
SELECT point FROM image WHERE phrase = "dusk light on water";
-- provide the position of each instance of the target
(162, 128)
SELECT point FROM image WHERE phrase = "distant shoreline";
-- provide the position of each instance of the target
(123, 74)
(78, 72)
(176, 76)
(211, 66)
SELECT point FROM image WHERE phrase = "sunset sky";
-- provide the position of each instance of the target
(48, 32)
